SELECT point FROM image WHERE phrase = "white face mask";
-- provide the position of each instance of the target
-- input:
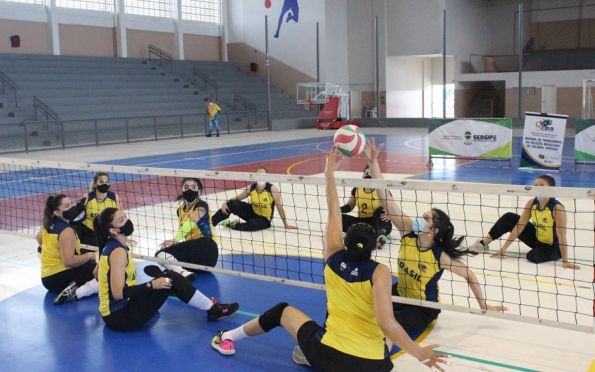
(261, 184)
(419, 224)
(539, 198)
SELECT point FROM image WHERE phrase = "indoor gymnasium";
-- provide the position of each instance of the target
(333, 185)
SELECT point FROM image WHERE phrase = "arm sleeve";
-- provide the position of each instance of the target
(204, 226)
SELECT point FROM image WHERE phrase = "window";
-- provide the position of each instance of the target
(152, 8)
(99, 5)
(201, 10)
(38, 2)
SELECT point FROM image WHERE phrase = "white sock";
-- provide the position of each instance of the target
(234, 334)
(167, 256)
(200, 301)
(87, 289)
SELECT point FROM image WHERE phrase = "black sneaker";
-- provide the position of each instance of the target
(68, 294)
(218, 311)
(208, 135)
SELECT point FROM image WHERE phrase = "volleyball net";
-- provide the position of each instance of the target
(544, 293)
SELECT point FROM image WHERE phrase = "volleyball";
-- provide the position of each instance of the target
(350, 140)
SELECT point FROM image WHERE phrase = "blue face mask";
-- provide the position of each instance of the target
(419, 224)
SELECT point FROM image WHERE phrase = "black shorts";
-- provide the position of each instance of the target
(325, 358)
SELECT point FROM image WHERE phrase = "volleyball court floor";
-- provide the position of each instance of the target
(37, 335)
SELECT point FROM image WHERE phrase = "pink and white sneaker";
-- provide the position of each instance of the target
(224, 347)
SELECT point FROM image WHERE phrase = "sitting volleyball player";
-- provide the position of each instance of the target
(126, 305)
(428, 246)
(193, 242)
(65, 270)
(257, 214)
(369, 210)
(545, 235)
(359, 306)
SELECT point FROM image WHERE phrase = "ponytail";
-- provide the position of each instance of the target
(52, 204)
(445, 239)
(101, 225)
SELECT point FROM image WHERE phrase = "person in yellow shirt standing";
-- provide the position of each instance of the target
(213, 111)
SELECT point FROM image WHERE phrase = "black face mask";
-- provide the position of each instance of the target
(74, 211)
(102, 188)
(127, 229)
(190, 195)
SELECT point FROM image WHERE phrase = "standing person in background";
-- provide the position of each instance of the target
(213, 111)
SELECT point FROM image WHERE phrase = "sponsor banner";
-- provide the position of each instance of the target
(543, 139)
(584, 141)
(471, 138)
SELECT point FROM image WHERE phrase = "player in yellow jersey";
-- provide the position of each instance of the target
(126, 305)
(97, 199)
(64, 269)
(213, 111)
(193, 243)
(257, 214)
(541, 226)
(428, 246)
(359, 307)
(369, 210)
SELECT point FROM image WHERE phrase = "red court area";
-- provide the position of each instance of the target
(390, 162)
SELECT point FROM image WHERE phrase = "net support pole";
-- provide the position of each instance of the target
(376, 68)
(520, 56)
(318, 52)
(268, 67)
(444, 62)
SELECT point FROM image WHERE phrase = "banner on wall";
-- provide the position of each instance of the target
(543, 140)
(584, 141)
(471, 138)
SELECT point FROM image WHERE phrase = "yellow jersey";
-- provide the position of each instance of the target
(419, 272)
(262, 202)
(94, 206)
(213, 110)
(351, 325)
(188, 229)
(545, 224)
(107, 303)
(367, 202)
(51, 261)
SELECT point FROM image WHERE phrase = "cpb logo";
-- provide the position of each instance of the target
(545, 125)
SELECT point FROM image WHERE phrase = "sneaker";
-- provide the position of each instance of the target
(217, 134)
(479, 247)
(188, 274)
(218, 311)
(209, 135)
(225, 347)
(68, 294)
(231, 223)
(380, 241)
(298, 357)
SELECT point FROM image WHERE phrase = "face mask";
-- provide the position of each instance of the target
(539, 198)
(367, 176)
(102, 188)
(127, 229)
(190, 195)
(419, 224)
(261, 184)
(74, 211)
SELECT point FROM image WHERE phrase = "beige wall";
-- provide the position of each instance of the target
(34, 37)
(283, 76)
(569, 101)
(564, 34)
(530, 103)
(78, 40)
(138, 42)
(202, 48)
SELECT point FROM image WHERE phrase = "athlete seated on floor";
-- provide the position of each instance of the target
(428, 246)
(359, 305)
(125, 305)
(193, 242)
(541, 226)
(64, 269)
(257, 214)
(369, 210)
(97, 199)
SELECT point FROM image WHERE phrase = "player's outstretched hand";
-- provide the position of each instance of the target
(431, 358)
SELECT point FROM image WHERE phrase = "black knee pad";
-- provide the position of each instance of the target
(272, 317)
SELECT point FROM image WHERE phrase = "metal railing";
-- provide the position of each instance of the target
(163, 57)
(552, 60)
(207, 82)
(44, 109)
(61, 134)
(241, 101)
(9, 84)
